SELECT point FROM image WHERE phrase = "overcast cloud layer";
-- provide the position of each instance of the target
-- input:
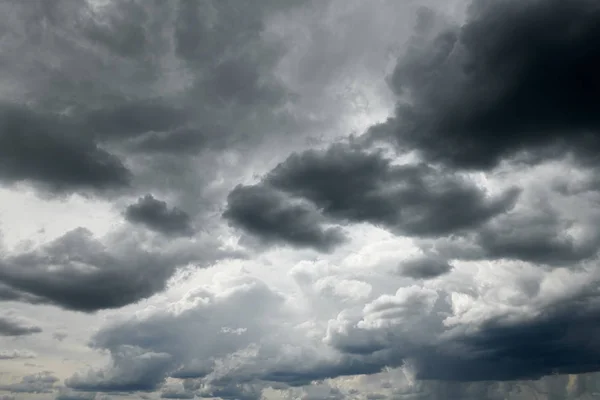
(299, 199)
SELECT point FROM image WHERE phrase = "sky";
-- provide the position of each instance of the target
(299, 199)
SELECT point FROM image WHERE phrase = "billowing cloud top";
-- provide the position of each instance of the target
(299, 200)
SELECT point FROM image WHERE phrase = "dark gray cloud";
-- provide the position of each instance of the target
(138, 79)
(80, 56)
(276, 218)
(182, 141)
(348, 184)
(223, 38)
(89, 278)
(360, 186)
(42, 382)
(518, 76)
(173, 394)
(559, 342)
(424, 267)
(16, 354)
(518, 79)
(155, 215)
(539, 234)
(79, 272)
(539, 237)
(47, 150)
(8, 293)
(11, 326)
(135, 371)
(133, 118)
(302, 375)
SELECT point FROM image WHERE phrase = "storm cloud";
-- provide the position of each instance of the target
(300, 199)
(158, 217)
(348, 184)
(48, 150)
(79, 272)
(518, 79)
(275, 217)
(11, 326)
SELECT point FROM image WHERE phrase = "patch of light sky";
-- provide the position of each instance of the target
(25, 218)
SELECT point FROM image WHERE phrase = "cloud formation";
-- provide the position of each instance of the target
(424, 267)
(155, 215)
(277, 218)
(48, 150)
(166, 166)
(16, 354)
(145, 352)
(463, 328)
(348, 184)
(80, 272)
(42, 382)
(11, 325)
(517, 79)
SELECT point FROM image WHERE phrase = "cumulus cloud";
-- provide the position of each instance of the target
(49, 151)
(277, 218)
(515, 77)
(396, 383)
(468, 326)
(546, 228)
(80, 272)
(542, 236)
(8, 293)
(88, 100)
(433, 332)
(42, 382)
(355, 185)
(134, 371)
(456, 242)
(13, 325)
(145, 352)
(349, 184)
(158, 217)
